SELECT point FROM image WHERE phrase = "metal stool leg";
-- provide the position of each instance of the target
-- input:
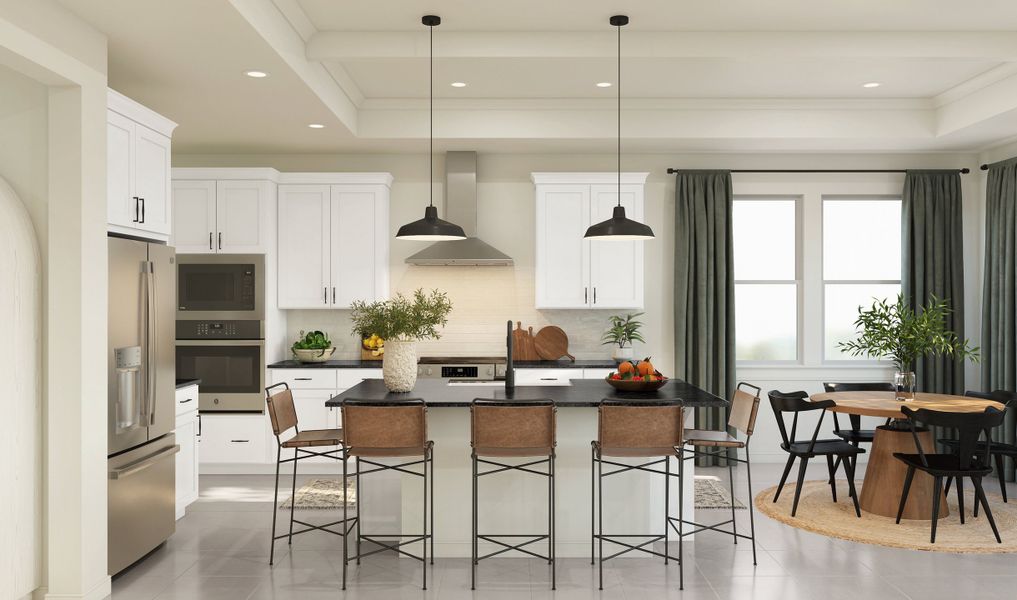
(293, 495)
(734, 522)
(681, 519)
(473, 539)
(358, 508)
(424, 540)
(275, 503)
(553, 537)
(345, 516)
(667, 505)
(593, 502)
(432, 507)
(600, 519)
(752, 502)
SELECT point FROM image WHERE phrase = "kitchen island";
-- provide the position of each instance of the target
(515, 502)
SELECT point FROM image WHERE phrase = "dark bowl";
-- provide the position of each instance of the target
(636, 385)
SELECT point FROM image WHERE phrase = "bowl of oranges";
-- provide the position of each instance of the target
(639, 376)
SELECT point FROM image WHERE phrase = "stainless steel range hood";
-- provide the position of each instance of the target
(461, 209)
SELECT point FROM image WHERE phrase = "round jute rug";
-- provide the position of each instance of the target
(819, 514)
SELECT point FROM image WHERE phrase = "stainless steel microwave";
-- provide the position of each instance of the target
(220, 286)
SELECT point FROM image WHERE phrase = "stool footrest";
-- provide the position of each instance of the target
(384, 546)
(615, 539)
(508, 547)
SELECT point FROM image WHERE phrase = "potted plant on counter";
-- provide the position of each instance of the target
(901, 334)
(313, 347)
(401, 322)
(621, 334)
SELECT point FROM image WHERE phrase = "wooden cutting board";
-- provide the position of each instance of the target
(552, 343)
(522, 344)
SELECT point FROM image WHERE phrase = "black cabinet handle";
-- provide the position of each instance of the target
(594, 295)
(326, 295)
(209, 240)
(239, 441)
(220, 240)
(142, 209)
(137, 210)
(301, 379)
(199, 426)
(185, 401)
(333, 294)
(586, 295)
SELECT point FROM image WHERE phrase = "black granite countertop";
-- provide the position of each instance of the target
(376, 364)
(582, 393)
(182, 383)
(353, 363)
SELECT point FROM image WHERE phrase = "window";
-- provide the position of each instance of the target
(765, 234)
(861, 263)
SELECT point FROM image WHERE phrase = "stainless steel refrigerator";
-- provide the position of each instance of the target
(142, 384)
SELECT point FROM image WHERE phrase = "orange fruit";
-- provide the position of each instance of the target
(646, 367)
(626, 367)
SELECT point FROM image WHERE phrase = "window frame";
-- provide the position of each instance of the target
(798, 281)
(824, 282)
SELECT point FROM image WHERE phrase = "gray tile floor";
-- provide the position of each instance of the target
(220, 551)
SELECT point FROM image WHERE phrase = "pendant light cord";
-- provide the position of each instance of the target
(619, 115)
(430, 151)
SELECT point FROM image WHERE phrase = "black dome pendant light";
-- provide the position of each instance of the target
(619, 227)
(431, 228)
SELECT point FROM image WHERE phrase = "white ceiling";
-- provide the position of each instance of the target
(738, 75)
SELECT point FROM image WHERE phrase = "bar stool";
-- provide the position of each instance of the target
(389, 429)
(637, 429)
(513, 429)
(741, 417)
(284, 417)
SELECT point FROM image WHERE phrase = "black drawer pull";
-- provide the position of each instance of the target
(301, 379)
(239, 441)
(185, 401)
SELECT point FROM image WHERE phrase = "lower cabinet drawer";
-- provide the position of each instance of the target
(546, 376)
(233, 438)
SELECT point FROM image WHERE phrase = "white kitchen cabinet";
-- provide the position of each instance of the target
(572, 272)
(216, 213)
(188, 425)
(333, 243)
(546, 376)
(138, 192)
(234, 438)
(597, 373)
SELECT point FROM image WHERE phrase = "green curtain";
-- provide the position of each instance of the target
(933, 264)
(704, 308)
(999, 292)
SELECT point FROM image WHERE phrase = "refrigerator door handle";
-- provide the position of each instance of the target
(143, 463)
(151, 340)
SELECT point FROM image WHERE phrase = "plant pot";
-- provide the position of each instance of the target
(399, 365)
(904, 383)
(621, 355)
(313, 355)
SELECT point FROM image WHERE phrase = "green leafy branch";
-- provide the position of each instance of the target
(402, 318)
(901, 334)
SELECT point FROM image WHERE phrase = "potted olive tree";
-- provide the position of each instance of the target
(901, 334)
(401, 322)
(621, 334)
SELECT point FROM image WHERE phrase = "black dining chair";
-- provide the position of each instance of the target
(1000, 451)
(855, 434)
(796, 403)
(971, 459)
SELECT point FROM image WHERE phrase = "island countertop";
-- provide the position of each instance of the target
(582, 393)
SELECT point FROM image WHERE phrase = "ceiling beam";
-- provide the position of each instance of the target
(346, 45)
(264, 16)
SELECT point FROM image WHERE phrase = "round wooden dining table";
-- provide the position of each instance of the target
(884, 474)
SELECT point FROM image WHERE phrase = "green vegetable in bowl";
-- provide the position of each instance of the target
(312, 340)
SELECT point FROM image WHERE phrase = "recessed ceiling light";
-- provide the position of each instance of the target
(459, 84)
(316, 126)
(604, 84)
(256, 74)
(871, 84)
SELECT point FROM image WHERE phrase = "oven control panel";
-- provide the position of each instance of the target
(220, 330)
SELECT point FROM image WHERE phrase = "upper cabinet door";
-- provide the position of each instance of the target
(240, 215)
(304, 222)
(194, 217)
(616, 267)
(359, 250)
(121, 209)
(562, 260)
(152, 179)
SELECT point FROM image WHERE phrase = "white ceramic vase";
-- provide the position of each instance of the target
(399, 365)
(622, 354)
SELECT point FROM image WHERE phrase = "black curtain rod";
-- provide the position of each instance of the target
(671, 171)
